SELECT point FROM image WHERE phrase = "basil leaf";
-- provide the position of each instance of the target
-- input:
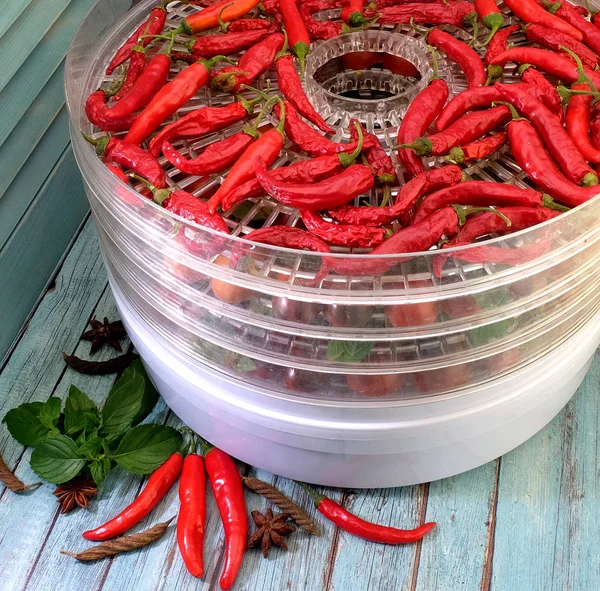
(24, 423)
(483, 335)
(493, 299)
(56, 460)
(150, 397)
(100, 469)
(146, 447)
(336, 350)
(92, 448)
(123, 404)
(348, 351)
(78, 407)
(50, 413)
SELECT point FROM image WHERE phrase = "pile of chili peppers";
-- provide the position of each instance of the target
(548, 119)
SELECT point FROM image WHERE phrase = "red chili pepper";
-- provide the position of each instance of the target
(399, 65)
(595, 132)
(479, 149)
(157, 487)
(350, 236)
(548, 95)
(227, 489)
(462, 54)
(201, 122)
(577, 122)
(555, 40)
(295, 27)
(192, 514)
(531, 12)
(266, 148)
(324, 29)
(247, 24)
(137, 63)
(421, 113)
(211, 17)
(491, 223)
(258, 59)
(187, 206)
(571, 15)
(291, 88)
(130, 156)
(271, 7)
(118, 172)
(490, 15)
(531, 156)
(386, 3)
(558, 143)
(466, 129)
(363, 529)
(457, 14)
(228, 44)
(96, 110)
(153, 25)
(499, 42)
(169, 98)
(352, 13)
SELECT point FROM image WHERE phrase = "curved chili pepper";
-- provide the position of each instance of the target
(287, 237)
(228, 44)
(569, 14)
(96, 110)
(246, 24)
(325, 29)
(201, 122)
(291, 88)
(531, 12)
(499, 42)
(491, 223)
(191, 208)
(350, 236)
(157, 487)
(490, 15)
(363, 529)
(462, 54)
(169, 98)
(531, 156)
(352, 13)
(466, 129)
(118, 172)
(137, 63)
(153, 25)
(209, 18)
(478, 150)
(227, 489)
(130, 156)
(577, 123)
(548, 96)
(266, 148)
(192, 514)
(556, 140)
(555, 40)
(258, 59)
(297, 33)
(468, 100)
(457, 14)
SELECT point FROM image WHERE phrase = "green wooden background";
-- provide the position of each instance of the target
(42, 201)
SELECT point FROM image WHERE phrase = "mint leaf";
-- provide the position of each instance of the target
(348, 351)
(92, 448)
(146, 447)
(123, 404)
(77, 408)
(24, 423)
(56, 460)
(483, 335)
(150, 397)
(50, 413)
(100, 470)
(493, 299)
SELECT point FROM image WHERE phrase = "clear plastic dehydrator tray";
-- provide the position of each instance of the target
(408, 333)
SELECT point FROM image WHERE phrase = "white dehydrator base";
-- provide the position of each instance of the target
(370, 445)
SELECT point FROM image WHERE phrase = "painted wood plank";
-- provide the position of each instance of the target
(31, 255)
(11, 12)
(26, 33)
(25, 138)
(547, 516)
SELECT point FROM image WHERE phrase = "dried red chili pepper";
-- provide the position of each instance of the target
(463, 131)
(130, 156)
(479, 149)
(490, 15)
(548, 96)
(266, 148)
(297, 33)
(227, 489)
(210, 45)
(209, 18)
(169, 98)
(351, 236)
(458, 14)
(477, 193)
(258, 59)
(96, 109)
(153, 25)
(571, 15)
(137, 63)
(577, 123)
(531, 12)
(595, 132)
(352, 13)
(421, 113)
(246, 24)
(118, 172)
(499, 42)
(468, 100)
(363, 529)
(462, 54)
(201, 122)
(325, 29)
(157, 487)
(192, 513)
(558, 143)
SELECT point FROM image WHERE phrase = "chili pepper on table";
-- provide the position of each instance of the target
(352, 13)
(421, 113)
(97, 108)
(258, 59)
(499, 42)
(192, 513)
(266, 148)
(458, 14)
(548, 96)
(568, 13)
(227, 489)
(363, 529)
(558, 143)
(465, 56)
(577, 123)
(350, 236)
(463, 131)
(130, 156)
(169, 98)
(246, 24)
(490, 15)
(209, 18)
(531, 12)
(157, 487)
(201, 122)
(479, 149)
(207, 46)
(153, 25)
(297, 33)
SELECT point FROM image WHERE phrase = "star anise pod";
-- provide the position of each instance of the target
(106, 332)
(271, 530)
(77, 492)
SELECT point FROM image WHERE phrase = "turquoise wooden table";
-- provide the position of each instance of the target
(527, 522)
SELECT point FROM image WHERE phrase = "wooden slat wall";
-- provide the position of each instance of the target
(42, 202)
